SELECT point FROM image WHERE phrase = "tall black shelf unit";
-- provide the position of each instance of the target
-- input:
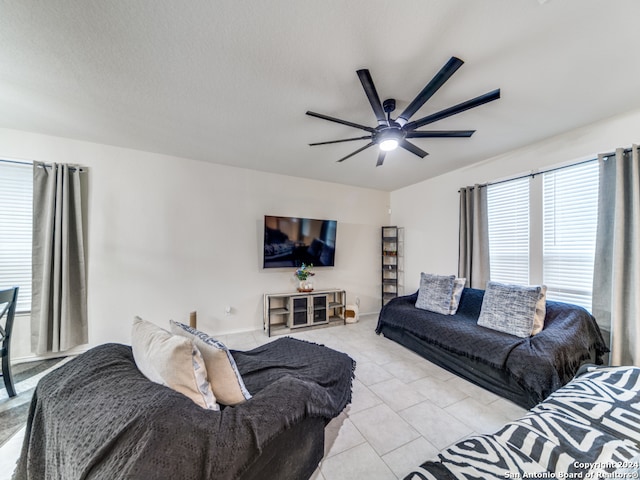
(392, 262)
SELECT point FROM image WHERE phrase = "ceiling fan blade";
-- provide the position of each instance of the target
(413, 149)
(447, 112)
(381, 156)
(366, 137)
(372, 95)
(440, 133)
(432, 87)
(343, 122)
(357, 151)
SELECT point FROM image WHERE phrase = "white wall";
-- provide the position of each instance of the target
(429, 210)
(170, 235)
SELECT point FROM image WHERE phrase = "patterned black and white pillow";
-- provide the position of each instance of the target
(435, 293)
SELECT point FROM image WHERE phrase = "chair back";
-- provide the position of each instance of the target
(8, 300)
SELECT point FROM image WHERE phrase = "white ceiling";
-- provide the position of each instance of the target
(229, 81)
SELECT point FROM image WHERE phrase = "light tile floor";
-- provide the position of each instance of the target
(404, 408)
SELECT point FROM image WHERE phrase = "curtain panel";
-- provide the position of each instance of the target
(473, 253)
(616, 276)
(58, 305)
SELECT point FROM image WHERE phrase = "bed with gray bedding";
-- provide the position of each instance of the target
(99, 417)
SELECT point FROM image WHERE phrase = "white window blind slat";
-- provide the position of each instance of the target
(570, 209)
(16, 200)
(508, 211)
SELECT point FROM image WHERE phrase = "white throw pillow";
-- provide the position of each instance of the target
(173, 361)
(224, 377)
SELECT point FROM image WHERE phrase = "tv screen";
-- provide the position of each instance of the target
(290, 242)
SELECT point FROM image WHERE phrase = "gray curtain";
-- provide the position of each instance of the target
(473, 259)
(58, 305)
(616, 276)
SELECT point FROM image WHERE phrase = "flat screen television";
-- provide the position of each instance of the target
(292, 241)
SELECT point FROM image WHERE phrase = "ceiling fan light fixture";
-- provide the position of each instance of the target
(388, 138)
(388, 144)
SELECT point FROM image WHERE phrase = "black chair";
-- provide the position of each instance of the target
(8, 299)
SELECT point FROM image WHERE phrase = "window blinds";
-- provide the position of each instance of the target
(570, 216)
(508, 213)
(16, 194)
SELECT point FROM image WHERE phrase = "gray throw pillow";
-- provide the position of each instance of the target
(511, 308)
(435, 293)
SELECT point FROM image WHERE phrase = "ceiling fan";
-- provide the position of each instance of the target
(389, 133)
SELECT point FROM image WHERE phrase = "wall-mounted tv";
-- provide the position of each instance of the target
(292, 241)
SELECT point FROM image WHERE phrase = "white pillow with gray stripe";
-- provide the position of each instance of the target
(458, 287)
(513, 309)
(224, 377)
(541, 312)
(435, 293)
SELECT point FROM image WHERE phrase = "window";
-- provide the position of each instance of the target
(570, 213)
(542, 230)
(508, 209)
(16, 194)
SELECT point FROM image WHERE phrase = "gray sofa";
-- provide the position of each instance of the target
(590, 428)
(99, 417)
(523, 370)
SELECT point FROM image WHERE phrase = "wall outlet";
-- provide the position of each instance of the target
(227, 310)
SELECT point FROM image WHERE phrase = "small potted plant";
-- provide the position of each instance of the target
(302, 274)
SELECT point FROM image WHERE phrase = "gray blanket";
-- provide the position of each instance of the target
(98, 417)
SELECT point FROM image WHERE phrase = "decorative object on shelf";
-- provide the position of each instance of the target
(302, 274)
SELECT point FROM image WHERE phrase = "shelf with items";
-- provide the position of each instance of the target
(392, 251)
(287, 312)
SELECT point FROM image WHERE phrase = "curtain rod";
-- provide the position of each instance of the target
(17, 162)
(533, 174)
(609, 154)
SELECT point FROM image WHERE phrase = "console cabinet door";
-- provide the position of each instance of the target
(300, 311)
(320, 310)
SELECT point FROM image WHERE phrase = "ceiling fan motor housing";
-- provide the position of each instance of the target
(389, 105)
